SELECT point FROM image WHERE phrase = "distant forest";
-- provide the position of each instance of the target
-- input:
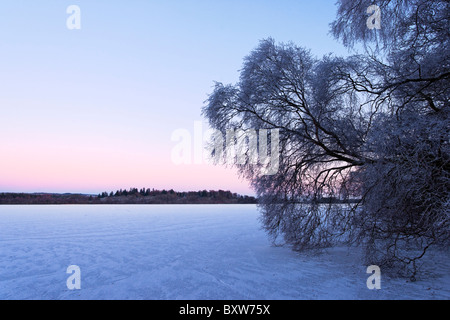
(131, 196)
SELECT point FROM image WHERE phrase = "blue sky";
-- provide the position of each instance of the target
(93, 109)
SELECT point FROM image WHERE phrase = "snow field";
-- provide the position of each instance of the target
(187, 252)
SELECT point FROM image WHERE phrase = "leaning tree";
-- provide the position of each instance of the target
(363, 140)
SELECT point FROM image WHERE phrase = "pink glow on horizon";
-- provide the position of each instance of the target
(84, 168)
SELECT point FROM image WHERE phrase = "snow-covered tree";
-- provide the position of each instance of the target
(370, 130)
(404, 73)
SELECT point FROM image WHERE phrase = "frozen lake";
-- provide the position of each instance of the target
(189, 252)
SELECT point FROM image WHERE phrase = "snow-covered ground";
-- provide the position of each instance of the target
(189, 252)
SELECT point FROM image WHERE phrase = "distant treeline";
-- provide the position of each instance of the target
(131, 196)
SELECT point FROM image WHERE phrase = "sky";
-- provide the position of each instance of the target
(94, 109)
